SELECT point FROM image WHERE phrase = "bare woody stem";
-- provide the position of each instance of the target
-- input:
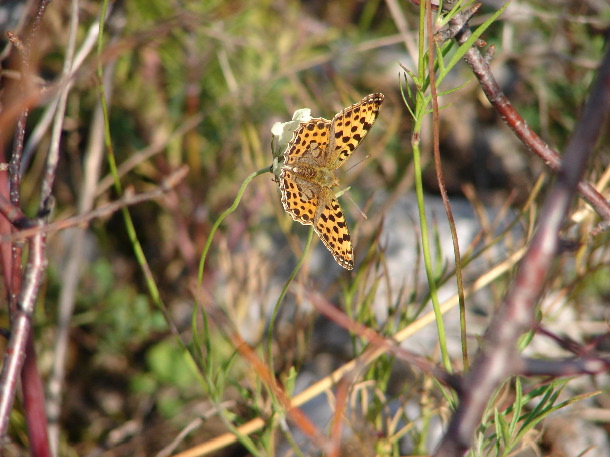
(22, 294)
(513, 119)
(20, 328)
(498, 358)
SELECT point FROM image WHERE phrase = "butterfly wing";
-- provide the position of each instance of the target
(309, 143)
(312, 204)
(331, 227)
(350, 126)
(300, 198)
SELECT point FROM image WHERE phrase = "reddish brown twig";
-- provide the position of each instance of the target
(22, 295)
(566, 367)
(295, 414)
(28, 230)
(20, 331)
(441, 181)
(379, 341)
(480, 67)
(498, 357)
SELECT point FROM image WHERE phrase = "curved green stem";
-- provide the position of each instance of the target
(228, 211)
(276, 308)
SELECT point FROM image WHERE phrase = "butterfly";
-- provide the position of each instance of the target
(318, 147)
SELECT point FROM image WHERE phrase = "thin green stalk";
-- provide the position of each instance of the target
(276, 308)
(151, 285)
(222, 217)
(209, 375)
(420, 109)
(425, 238)
(131, 231)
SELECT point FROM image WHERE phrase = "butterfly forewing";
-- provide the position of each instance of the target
(350, 126)
(309, 142)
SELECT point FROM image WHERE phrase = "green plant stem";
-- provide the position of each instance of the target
(222, 217)
(209, 374)
(278, 303)
(131, 231)
(423, 223)
(420, 110)
(441, 180)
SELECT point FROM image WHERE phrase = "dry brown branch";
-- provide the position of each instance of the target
(128, 199)
(22, 291)
(498, 358)
(480, 67)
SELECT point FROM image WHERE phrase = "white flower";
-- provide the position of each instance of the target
(284, 130)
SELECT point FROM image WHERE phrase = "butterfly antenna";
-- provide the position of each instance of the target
(368, 156)
(346, 193)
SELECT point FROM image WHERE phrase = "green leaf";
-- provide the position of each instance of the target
(517, 405)
(463, 49)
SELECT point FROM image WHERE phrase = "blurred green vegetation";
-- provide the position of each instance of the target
(201, 83)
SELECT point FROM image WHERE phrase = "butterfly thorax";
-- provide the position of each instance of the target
(319, 175)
